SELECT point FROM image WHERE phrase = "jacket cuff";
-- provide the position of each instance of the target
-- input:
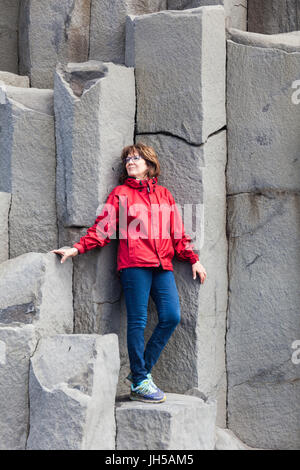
(79, 248)
(193, 259)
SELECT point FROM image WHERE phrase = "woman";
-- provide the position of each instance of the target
(150, 233)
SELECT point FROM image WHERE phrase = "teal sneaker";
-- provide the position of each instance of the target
(147, 392)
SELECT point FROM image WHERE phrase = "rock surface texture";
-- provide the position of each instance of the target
(108, 18)
(52, 32)
(186, 97)
(180, 423)
(5, 201)
(273, 16)
(14, 80)
(73, 381)
(27, 167)
(35, 301)
(263, 213)
(17, 344)
(43, 296)
(235, 12)
(9, 35)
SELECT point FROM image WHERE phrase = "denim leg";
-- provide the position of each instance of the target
(165, 295)
(136, 283)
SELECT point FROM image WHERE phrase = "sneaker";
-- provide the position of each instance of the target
(147, 392)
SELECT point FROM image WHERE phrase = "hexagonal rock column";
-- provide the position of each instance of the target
(273, 16)
(180, 423)
(17, 344)
(9, 35)
(108, 18)
(235, 12)
(52, 32)
(263, 227)
(267, 136)
(99, 100)
(35, 301)
(27, 167)
(194, 356)
(14, 80)
(43, 296)
(73, 382)
(5, 200)
(186, 97)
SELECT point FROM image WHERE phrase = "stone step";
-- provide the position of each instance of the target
(182, 422)
(72, 386)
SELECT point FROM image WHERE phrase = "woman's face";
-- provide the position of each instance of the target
(137, 168)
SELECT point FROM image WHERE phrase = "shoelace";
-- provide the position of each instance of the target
(147, 386)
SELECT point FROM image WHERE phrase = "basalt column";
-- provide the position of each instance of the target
(35, 301)
(94, 108)
(273, 16)
(263, 176)
(108, 18)
(9, 15)
(72, 387)
(235, 12)
(181, 113)
(27, 168)
(52, 32)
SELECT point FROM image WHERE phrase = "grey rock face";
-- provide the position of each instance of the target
(108, 17)
(5, 200)
(288, 42)
(263, 143)
(273, 16)
(263, 213)
(17, 344)
(9, 35)
(94, 109)
(44, 294)
(14, 80)
(35, 301)
(187, 4)
(180, 423)
(52, 32)
(235, 12)
(186, 97)
(263, 320)
(194, 356)
(27, 167)
(73, 381)
(226, 440)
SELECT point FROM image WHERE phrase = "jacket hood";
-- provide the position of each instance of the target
(139, 184)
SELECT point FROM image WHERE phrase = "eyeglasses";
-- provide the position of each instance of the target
(135, 158)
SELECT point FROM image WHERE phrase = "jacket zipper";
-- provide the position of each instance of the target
(148, 189)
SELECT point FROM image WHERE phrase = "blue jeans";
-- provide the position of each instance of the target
(137, 284)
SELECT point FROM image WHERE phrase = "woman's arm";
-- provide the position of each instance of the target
(99, 234)
(104, 228)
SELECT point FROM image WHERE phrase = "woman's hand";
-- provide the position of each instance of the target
(65, 253)
(198, 268)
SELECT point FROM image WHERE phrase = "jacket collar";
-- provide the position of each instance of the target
(141, 184)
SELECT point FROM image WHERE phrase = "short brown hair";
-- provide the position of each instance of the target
(148, 153)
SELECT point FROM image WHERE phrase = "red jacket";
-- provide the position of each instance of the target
(145, 218)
